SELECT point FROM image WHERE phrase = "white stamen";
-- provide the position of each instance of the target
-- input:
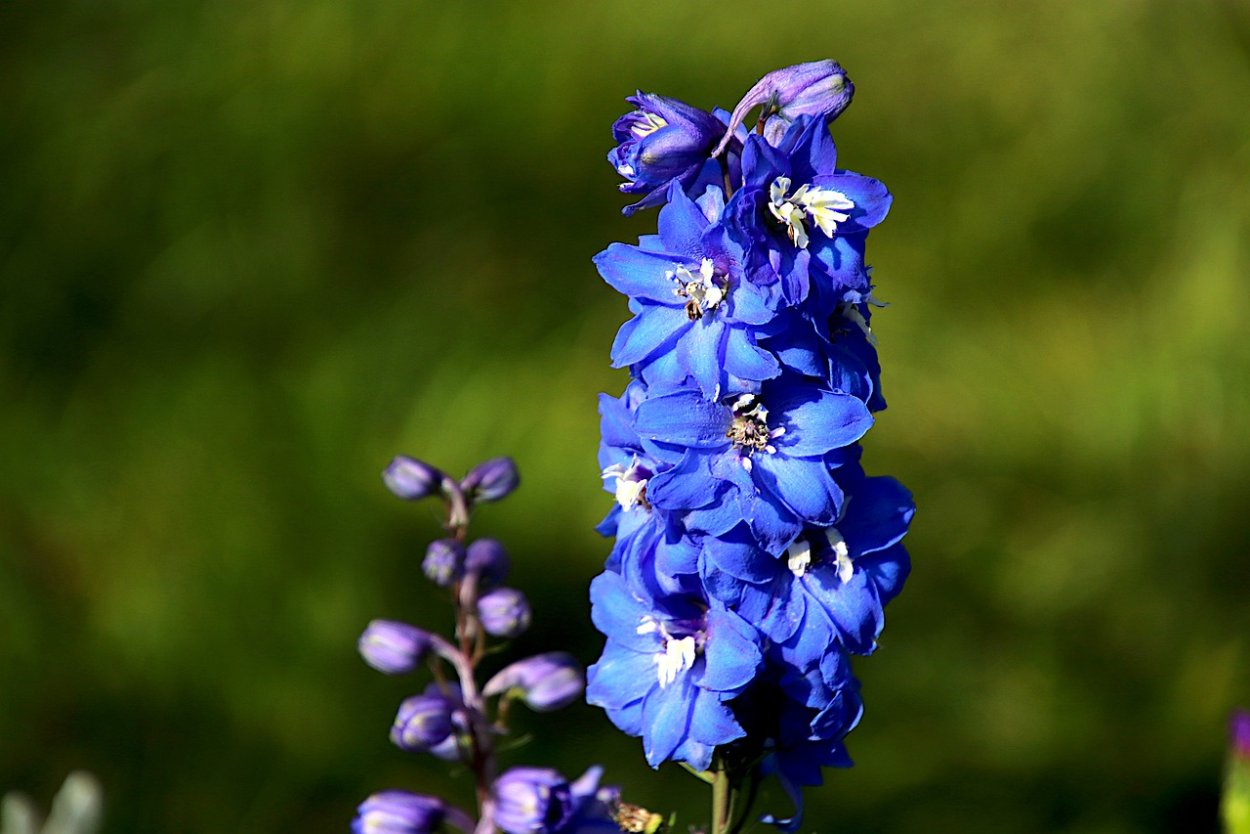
(677, 657)
(799, 556)
(702, 290)
(649, 625)
(823, 206)
(842, 554)
(650, 124)
(630, 486)
(852, 312)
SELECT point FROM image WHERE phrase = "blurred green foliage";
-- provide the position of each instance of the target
(250, 250)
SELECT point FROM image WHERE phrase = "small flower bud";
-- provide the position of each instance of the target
(817, 88)
(491, 480)
(444, 562)
(488, 559)
(412, 479)
(1239, 735)
(423, 721)
(533, 800)
(399, 812)
(504, 612)
(392, 647)
(544, 682)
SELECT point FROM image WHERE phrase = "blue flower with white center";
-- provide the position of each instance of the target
(802, 214)
(695, 308)
(831, 584)
(668, 667)
(760, 458)
(663, 142)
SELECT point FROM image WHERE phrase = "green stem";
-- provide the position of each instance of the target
(721, 797)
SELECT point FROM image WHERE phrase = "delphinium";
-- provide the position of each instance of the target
(454, 717)
(753, 555)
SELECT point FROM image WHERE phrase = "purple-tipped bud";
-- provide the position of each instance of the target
(504, 612)
(544, 682)
(444, 562)
(488, 559)
(412, 479)
(491, 480)
(1239, 735)
(663, 141)
(533, 800)
(392, 647)
(399, 812)
(425, 721)
(818, 88)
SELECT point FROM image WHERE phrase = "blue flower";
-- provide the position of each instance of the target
(664, 141)
(831, 584)
(691, 299)
(802, 214)
(667, 670)
(760, 458)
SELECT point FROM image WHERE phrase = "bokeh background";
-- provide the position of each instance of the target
(251, 250)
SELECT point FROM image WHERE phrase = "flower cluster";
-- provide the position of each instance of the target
(454, 718)
(753, 555)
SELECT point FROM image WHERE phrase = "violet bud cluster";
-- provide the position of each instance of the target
(754, 555)
(454, 717)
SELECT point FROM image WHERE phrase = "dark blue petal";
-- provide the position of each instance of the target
(732, 654)
(824, 421)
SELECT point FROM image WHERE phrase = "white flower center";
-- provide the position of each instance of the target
(678, 654)
(649, 124)
(631, 485)
(841, 554)
(703, 293)
(823, 206)
(798, 556)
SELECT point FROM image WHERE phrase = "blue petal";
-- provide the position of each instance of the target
(871, 198)
(686, 486)
(744, 359)
(713, 723)
(638, 273)
(666, 714)
(804, 485)
(654, 327)
(878, 517)
(825, 421)
(699, 352)
(681, 224)
(620, 677)
(617, 612)
(684, 419)
(732, 654)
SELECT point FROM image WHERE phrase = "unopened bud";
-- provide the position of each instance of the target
(399, 812)
(504, 612)
(819, 89)
(488, 559)
(412, 479)
(444, 562)
(424, 721)
(392, 647)
(544, 682)
(491, 480)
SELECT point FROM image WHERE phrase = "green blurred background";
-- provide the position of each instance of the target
(250, 250)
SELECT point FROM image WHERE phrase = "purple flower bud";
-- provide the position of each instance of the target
(444, 562)
(399, 812)
(1239, 732)
(412, 479)
(488, 559)
(544, 682)
(663, 141)
(392, 647)
(491, 480)
(425, 721)
(504, 612)
(533, 800)
(817, 88)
